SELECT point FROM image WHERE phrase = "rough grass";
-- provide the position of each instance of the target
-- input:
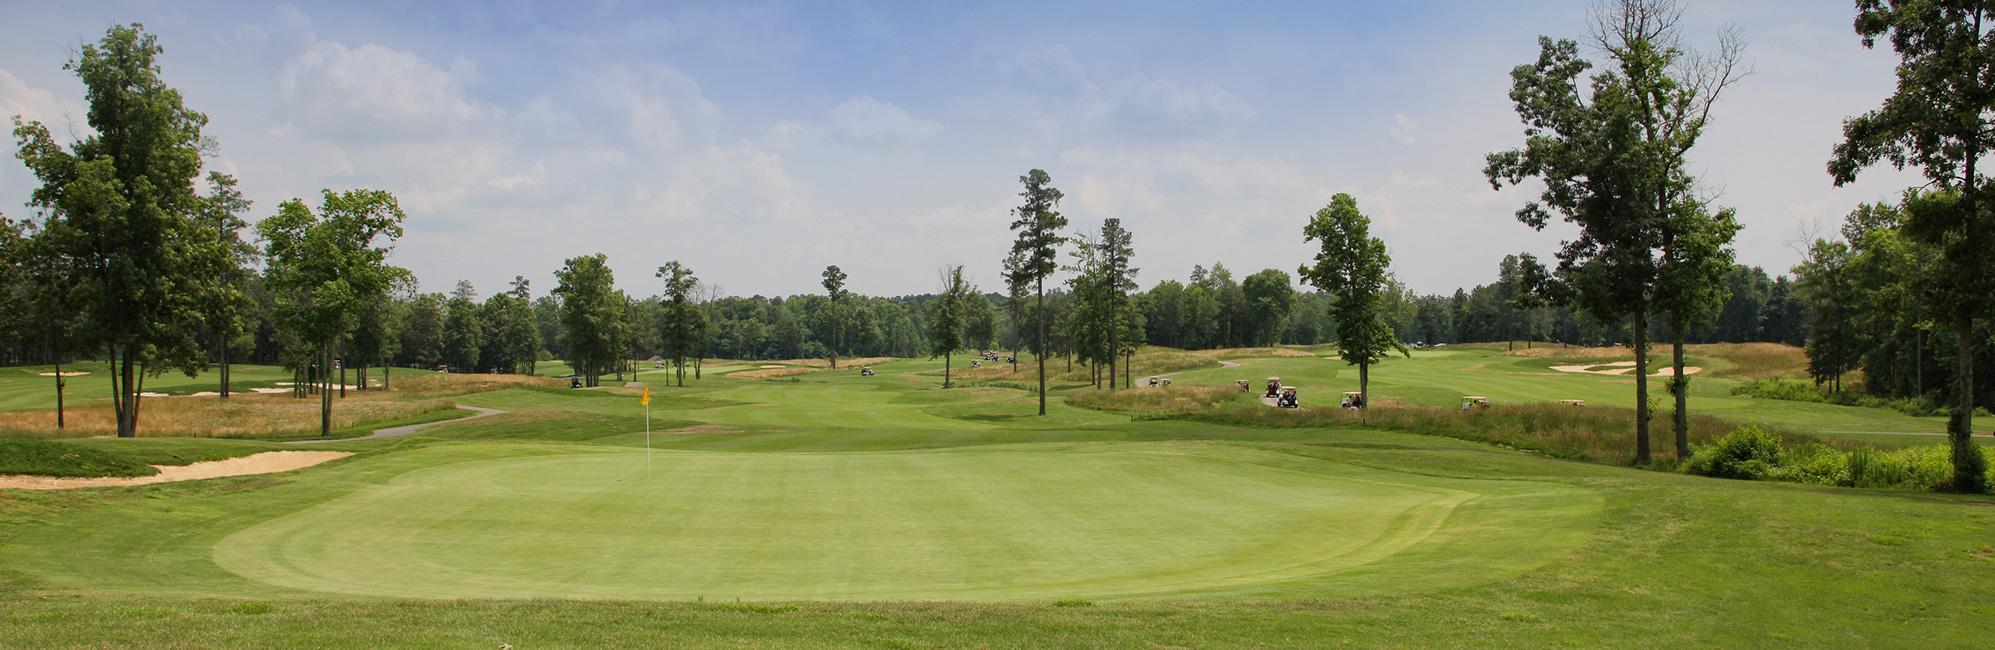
(771, 373)
(1596, 434)
(51, 458)
(1149, 361)
(241, 416)
(446, 385)
(1753, 361)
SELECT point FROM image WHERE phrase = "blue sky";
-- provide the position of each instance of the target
(758, 142)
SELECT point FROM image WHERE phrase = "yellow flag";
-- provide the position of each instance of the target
(646, 400)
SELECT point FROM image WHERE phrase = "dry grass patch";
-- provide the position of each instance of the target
(1276, 351)
(1754, 360)
(854, 362)
(445, 385)
(1610, 352)
(770, 373)
(241, 416)
(1172, 400)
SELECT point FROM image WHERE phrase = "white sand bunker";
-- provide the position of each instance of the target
(66, 373)
(268, 462)
(772, 367)
(1622, 368)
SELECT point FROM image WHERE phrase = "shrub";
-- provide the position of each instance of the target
(1748, 452)
(1814, 464)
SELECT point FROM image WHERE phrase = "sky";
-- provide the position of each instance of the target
(758, 142)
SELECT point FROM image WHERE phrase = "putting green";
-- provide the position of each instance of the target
(1027, 521)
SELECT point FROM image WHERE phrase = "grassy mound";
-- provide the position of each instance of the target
(51, 458)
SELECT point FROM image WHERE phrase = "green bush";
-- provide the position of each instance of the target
(1748, 452)
(1814, 464)
(1916, 468)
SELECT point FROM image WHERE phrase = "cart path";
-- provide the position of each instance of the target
(397, 432)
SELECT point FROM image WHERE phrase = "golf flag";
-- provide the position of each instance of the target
(646, 400)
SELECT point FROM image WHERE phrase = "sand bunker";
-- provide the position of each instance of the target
(1622, 368)
(268, 462)
(771, 367)
(66, 373)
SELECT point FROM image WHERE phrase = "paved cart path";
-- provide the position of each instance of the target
(397, 432)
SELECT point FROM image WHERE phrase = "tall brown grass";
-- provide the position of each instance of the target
(250, 415)
(1755, 360)
(240, 416)
(1597, 434)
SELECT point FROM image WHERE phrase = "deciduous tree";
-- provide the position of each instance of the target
(1351, 266)
(1939, 120)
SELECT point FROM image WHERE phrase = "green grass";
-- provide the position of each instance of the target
(51, 458)
(883, 511)
(22, 388)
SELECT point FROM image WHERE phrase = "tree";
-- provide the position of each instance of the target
(227, 258)
(947, 320)
(834, 288)
(1690, 291)
(1938, 119)
(1834, 346)
(117, 212)
(1270, 297)
(591, 315)
(1351, 267)
(1036, 251)
(463, 329)
(326, 267)
(522, 329)
(1118, 279)
(684, 323)
(422, 331)
(1612, 163)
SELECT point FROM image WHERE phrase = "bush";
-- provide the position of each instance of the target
(1814, 464)
(1748, 452)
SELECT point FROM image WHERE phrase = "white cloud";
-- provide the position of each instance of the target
(1404, 129)
(1184, 103)
(39, 105)
(868, 120)
(663, 107)
(380, 91)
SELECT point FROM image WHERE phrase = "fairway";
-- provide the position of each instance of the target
(1094, 520)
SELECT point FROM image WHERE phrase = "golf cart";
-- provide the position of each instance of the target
(1288, 398)
(866, 371)
(1474, 402)
(1352, 400)
(574, 381)
(1274, 387)
(1573, 402)
(1153, 382)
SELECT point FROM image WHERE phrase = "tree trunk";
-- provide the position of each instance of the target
(1364, 386)
(384, 375)
(325, 395)
(58, 392)
(1041, 287)
(342, 379)
(1113, 351)
(1679, 386)
(945, 369)
(222, 353)
(129, 395)
(1641, 333)
(1130, 361)
(1969, 467)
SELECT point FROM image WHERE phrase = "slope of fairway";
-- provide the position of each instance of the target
(1014, 522)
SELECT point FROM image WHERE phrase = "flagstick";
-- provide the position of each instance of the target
(647, 441)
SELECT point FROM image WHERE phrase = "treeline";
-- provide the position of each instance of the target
(1874, 305)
